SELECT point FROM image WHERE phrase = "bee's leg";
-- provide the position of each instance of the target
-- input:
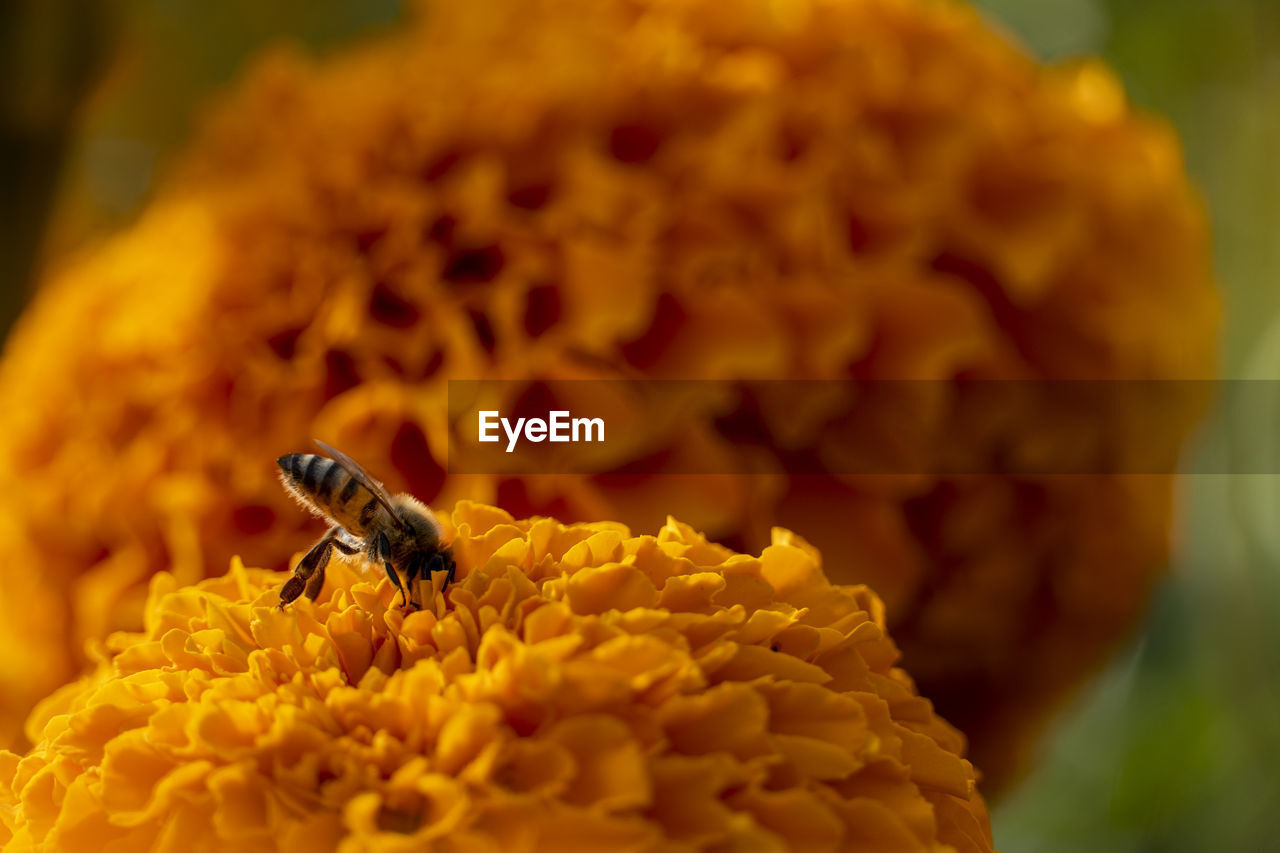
(442, 562)
(317, 582)
(291, 590)
(411, 576)
(344, 547)
(308, 567)
(382, 547)
(395, 581)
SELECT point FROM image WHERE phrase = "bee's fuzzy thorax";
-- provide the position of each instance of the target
(407, 504)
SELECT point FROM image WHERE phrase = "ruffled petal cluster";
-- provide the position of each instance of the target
(598, 189)
(579, 688)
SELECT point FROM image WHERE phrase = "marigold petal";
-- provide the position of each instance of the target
(797, 816)
(609, 587)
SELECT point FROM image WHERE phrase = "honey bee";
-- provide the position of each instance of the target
(397, 531)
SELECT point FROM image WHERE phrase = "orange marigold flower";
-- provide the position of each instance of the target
(577, 689)
(876, 189)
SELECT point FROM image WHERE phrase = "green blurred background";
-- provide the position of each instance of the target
(1176, 747)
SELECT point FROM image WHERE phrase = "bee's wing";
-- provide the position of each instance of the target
(363, 477)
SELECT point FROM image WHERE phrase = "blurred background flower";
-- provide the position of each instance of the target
(585, 689)
(1184, 60)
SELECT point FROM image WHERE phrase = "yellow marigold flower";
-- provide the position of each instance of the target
(817, 189)
(578, 688)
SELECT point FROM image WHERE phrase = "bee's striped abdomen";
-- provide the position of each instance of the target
(321, 485)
